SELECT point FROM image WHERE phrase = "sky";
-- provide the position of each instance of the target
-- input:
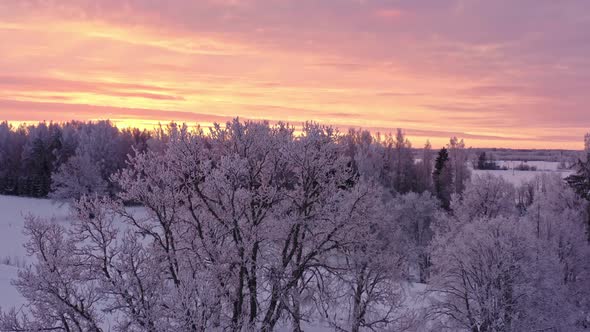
(499, 73)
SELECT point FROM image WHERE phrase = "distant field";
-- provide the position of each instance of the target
(530, 154)
(519, 177)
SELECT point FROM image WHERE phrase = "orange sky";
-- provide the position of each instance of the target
(498, 73)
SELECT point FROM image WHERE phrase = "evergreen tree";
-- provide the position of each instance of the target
(482, 160)
(580, 183)
(38, 160)
(12, 142)
(442, 178)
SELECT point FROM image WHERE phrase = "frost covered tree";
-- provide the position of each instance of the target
(79, 176)
(425, 168)
(458, 157)
(30, 155)
(399, 171)
(474, 259)
(101, 150)
(321, 174)
(238, 227)
(557, 217)
(493, 275)
(485, 196)
(58, 287)
(360, 289)
(415, 215)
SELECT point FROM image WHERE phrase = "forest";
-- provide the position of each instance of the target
(251, 226)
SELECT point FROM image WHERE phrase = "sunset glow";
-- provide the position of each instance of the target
(497, 73)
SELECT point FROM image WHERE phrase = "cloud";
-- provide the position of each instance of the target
(448, 66)
(44, 84)
(388, 13)
(14, 110)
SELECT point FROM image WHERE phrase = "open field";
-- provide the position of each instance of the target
(519, 177)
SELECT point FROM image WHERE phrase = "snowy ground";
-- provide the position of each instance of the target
(519, 177)
(9, 296)
(13, 211)
(540, 165)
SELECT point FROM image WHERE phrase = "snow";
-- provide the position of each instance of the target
(540, 165)
(9, 296)
(519, 177)
(13, 213)
(12, 253)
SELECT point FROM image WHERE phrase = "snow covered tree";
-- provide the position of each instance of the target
(557, 217)
(458, 157)
(490, 275)
(79, 176)
(360, 286)
(57, 286)
(425, 168)
(365, 153)
(415, 214)
(485, 196)
(101, 150)
(399, 171)
(236, 229)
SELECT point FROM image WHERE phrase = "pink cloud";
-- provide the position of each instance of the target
(388, 13)
(445, 65)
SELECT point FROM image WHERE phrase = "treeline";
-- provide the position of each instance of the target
(69, 160)
(36, 160)
(246, 226)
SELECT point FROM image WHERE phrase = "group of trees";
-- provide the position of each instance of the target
(580, 180)
(501, 267)
(486, 162)
(251, 227)
(68, 160)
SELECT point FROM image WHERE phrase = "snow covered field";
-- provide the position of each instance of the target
(540, 165)
(519, 177)
(13, 211)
